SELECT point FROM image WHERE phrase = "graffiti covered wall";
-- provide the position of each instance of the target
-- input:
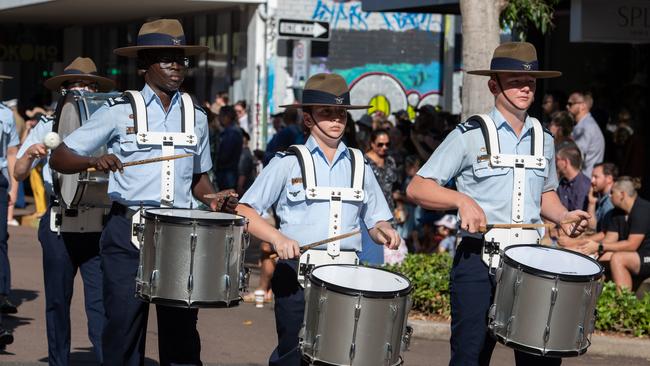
(390, 60)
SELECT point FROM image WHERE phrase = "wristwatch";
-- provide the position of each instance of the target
(601, 249)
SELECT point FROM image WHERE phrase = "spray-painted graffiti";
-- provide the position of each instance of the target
(348, 15)
(385, 93)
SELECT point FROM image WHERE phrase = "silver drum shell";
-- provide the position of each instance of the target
(543, 314)
(191, 264)
(341, 329)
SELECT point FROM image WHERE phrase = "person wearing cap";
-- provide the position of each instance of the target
(8, 191)
(303, 218)
(487, 193)
(446, 227)
(65, 253)
(162, 56)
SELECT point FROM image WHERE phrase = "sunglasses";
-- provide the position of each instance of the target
(166, 62)
(383, 144)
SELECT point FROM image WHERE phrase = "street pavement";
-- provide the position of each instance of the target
(239, 336)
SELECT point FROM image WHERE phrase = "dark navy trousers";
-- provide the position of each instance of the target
(5, 270)
(289, 314)
(63, 256)
(125, 327)
(472, 292)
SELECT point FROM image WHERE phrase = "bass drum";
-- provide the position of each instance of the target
(85, 189)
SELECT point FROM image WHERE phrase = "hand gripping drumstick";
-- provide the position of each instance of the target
(321, 242)
(148, 161)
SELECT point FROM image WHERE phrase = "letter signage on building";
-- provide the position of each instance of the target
(612, 21)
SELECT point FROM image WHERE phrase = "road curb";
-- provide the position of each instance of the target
(601, 344)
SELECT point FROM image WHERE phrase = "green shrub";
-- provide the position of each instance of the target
(429, 276)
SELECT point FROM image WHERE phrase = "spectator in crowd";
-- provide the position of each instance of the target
(350, 134)
(551, 105)
(586, 134)
(627, 242)
(600, 203)
(220, 100)
(428, 131)
(404, 214)
(242, 115)
(35, 175)
(561, 126)
(382, 164)
(446, 228)
(364, 125)
(574, 185)
(247, 168)
(628, 148)
(229, 149)
(292, 133)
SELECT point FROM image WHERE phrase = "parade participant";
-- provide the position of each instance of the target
(303, 215)
(65, 253)
(162, 55)
(8, 147)
(489, 193)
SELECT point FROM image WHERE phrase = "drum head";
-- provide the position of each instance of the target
(566, 264)
(355, 280)
(184, 215)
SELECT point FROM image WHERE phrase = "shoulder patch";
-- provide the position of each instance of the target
(469, 125)
(200, 109)
(117, 100)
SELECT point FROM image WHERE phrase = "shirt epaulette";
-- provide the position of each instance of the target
(547, 131)
(282, 154)
(117, 100)
(45, 119)
(469, 125)
(200, 109)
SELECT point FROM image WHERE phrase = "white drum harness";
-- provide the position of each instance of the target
(499, 239)
(168, 141)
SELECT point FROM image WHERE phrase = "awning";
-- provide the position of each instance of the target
(412, 6)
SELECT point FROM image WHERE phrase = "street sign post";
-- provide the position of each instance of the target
(304, 29)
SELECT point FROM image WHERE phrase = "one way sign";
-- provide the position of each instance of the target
(304, 29)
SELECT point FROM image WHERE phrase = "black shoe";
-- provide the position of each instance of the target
(5, 337)
(7, 307)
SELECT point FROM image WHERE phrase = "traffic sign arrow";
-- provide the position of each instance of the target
(304, 29)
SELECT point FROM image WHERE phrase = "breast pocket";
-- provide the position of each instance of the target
(129, 146)
(296, 212)
(482, 170)
(537, 180)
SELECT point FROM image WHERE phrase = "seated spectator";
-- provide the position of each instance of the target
(574, 185)
(446, 228)
(600, 204)
(627, 240)
(561, 125)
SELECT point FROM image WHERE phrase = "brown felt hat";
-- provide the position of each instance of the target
(326, 90)
(82, 68)
(160, 34)
(516, 58)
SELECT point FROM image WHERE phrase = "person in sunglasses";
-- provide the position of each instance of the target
(154, 112)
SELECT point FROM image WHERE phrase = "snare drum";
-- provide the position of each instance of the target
(191, 258)
(80, 189)
(354, 315)
(545, 300)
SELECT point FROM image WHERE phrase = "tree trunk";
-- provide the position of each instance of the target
(480, 29)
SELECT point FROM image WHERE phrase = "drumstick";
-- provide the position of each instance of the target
(305, 248)
(148, 161)
(483, 229)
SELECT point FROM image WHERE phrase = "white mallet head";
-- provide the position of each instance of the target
(51, 140)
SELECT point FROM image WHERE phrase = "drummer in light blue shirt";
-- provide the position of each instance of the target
(161, 51)
(304, 220)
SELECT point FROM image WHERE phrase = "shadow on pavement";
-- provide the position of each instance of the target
(19, 296)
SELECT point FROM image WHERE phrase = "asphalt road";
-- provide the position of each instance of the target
(240, 336)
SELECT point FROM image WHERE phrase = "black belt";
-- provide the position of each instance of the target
(470, 245)
(118, 209)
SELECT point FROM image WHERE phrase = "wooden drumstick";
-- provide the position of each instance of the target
(321, 242)
(486, 228)
(148, 161)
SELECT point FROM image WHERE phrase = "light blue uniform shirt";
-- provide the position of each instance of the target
(458, 157)
(36, 136)
(280, 184)
(8, 138)
(113, 125)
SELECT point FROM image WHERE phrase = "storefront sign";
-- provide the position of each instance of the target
(28, 53)
(613, 21)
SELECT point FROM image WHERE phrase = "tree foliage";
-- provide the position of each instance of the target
(519, 15)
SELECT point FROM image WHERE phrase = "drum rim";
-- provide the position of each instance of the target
(237, 221)
(547, 274)
(355, 292)
(535, 351)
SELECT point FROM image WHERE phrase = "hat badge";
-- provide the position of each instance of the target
(176, 41)
(338, 100)
(527, 66)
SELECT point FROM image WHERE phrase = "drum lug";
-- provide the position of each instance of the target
(352, 351)
(153, 280)
(321, 302)
(357, 315)
(498, 274)
(190, 285)
(389, 353)
(226, 279)
(393, 310)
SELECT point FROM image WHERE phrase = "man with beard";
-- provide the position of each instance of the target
(162, 55)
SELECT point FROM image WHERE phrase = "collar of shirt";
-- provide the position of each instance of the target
(341, 150)
(500, 121)
(149, 96)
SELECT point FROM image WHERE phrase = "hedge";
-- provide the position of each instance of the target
(429, 274)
